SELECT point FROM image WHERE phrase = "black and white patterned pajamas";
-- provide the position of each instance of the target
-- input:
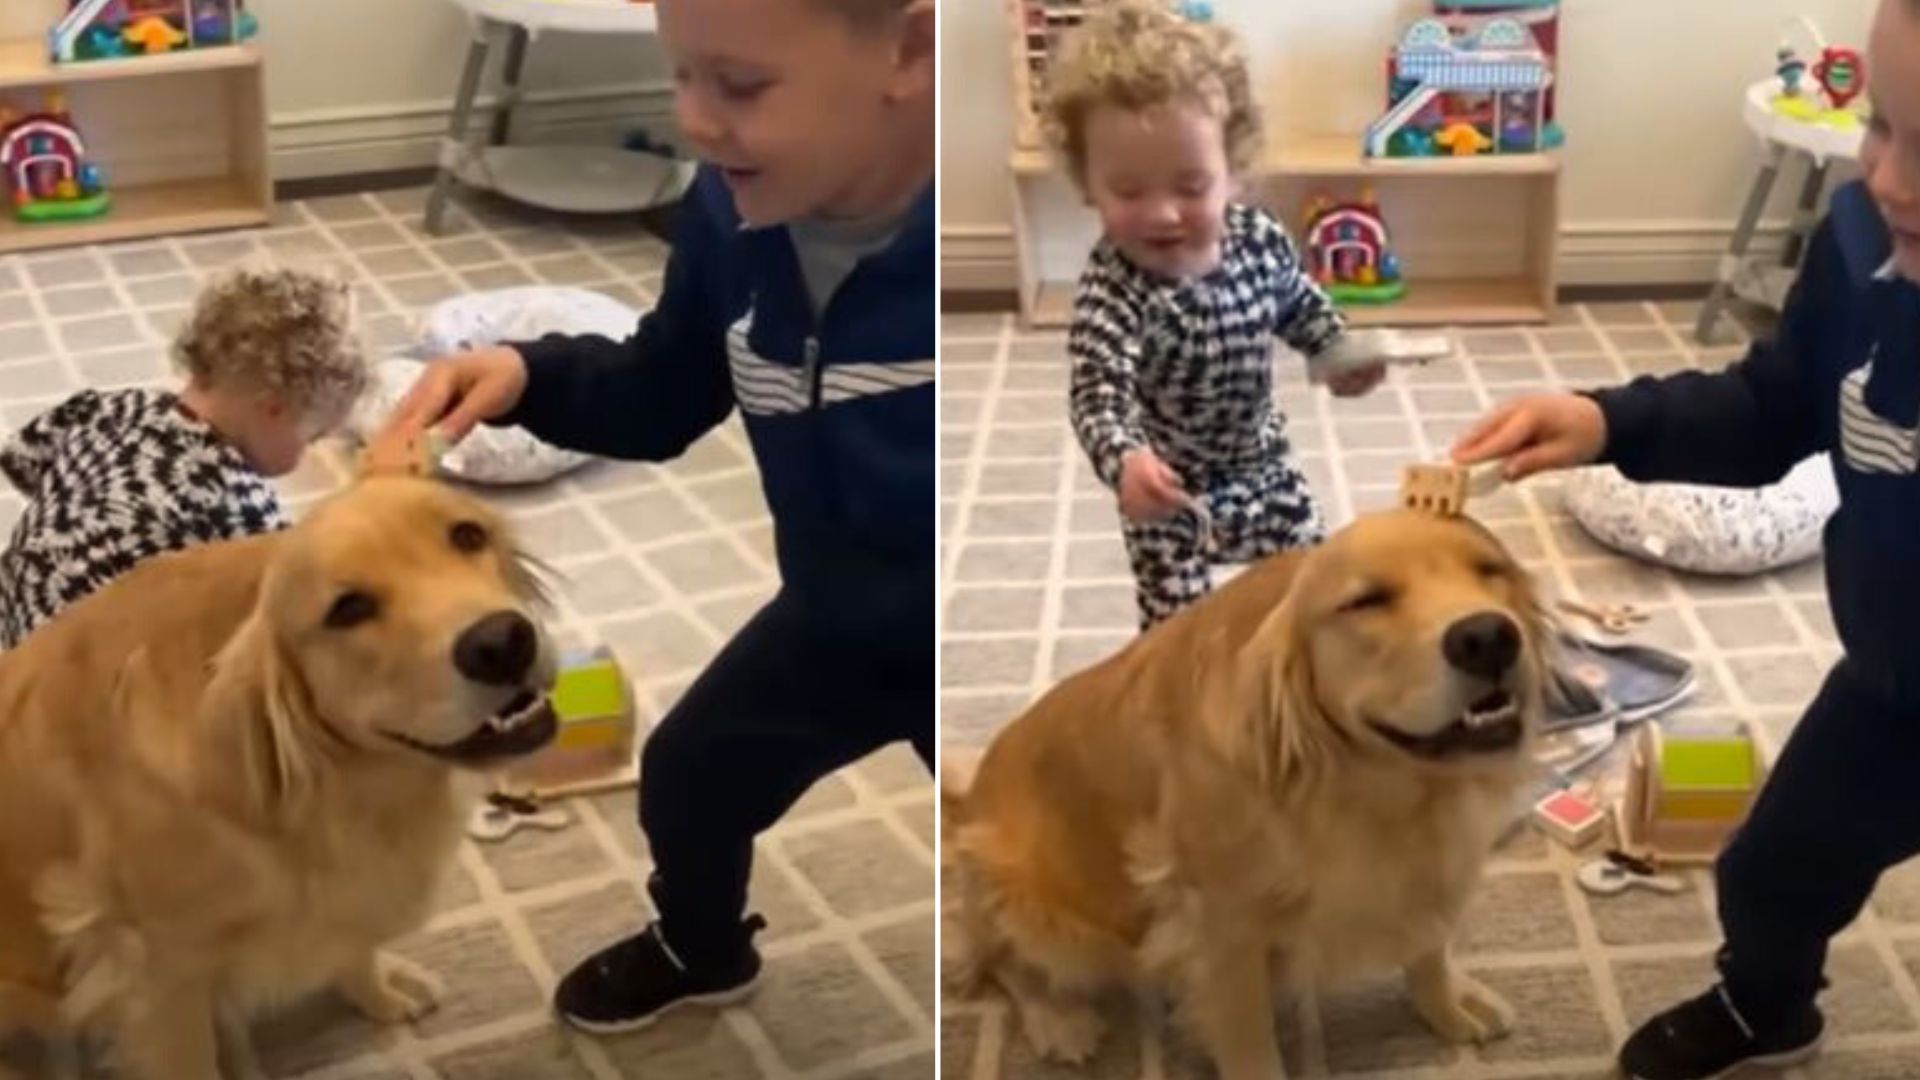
(1186, 368)
(112, 479)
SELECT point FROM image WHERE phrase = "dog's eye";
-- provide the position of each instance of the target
(352, 609)
(468, 537)
(1490, 568)
(1371, 600)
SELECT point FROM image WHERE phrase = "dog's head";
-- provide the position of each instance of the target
(399, 618)
(1406, 634)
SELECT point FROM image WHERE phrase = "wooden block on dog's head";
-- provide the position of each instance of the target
(1435, 489)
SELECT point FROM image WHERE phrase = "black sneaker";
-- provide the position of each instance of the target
(1707, 1037)
(629, 985)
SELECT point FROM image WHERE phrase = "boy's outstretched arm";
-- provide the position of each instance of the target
(1746, 426)
(650, 396)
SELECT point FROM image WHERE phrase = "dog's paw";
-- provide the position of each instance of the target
(1061, 1032)
(393, 990)
(1471, 1013)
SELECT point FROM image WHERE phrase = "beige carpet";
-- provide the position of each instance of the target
(662, 564)
(1036, 584)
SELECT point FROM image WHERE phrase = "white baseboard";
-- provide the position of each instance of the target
(980, 258)
(407, 135)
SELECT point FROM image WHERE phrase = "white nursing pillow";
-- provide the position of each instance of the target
(1704, 529)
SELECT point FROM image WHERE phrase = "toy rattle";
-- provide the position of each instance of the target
(1617, 871)
(504, 814)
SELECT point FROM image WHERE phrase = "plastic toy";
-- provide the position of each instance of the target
(1570, 818)
(104, 29)
(1462, 139)
(1686, 793)
(1540, 17)
(1492, 80)
(505, 813)
(1840, 73)
(1350, 253)
(594, 749)
(1366, 348)
(1617, 871)
(153, 35)
(44, 160)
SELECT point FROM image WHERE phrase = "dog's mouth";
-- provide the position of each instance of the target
(518, 728)
(1488, 726)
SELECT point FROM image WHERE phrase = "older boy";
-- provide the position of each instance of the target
(801, 291)
(1843, 377)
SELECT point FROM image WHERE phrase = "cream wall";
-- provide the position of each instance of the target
(360, 85)
(1656, 165)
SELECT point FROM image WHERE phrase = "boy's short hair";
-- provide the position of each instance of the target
(285, 332)
(1136, 54)
(864, 13)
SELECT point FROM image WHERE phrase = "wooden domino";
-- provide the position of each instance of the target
(1570, 818)
(1444, 488)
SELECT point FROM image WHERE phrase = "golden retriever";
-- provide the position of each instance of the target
(1296, 780)
(230, 776)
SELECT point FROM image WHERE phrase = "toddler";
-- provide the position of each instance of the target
(1181, 302)
(114, 477)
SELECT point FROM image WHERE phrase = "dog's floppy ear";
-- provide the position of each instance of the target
(256, 698)
(1281, 724)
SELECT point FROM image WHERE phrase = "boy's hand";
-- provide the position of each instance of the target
(1356, 382)
(459, 392)
(1536, 433)
(1149, 489)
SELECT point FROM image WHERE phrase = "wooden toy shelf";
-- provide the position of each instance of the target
(181, 138)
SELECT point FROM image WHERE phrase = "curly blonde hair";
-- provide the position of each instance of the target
(1136, 54)
(285, 332)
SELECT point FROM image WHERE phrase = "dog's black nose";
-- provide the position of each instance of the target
(1485, 645)
(497, 650)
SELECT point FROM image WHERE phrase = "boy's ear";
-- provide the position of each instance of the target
(918, 52)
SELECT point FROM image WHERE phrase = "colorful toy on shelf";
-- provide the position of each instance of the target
(1687, 792)
(594, 749)
(1481, 91)
(104, 29)
(1541, 18)
(1840, 73)
(1350, 253)
(44, 160)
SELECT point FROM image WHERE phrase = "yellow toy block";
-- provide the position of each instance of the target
(594, 749)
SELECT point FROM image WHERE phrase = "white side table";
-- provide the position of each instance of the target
(1780, 138)
(575, 179)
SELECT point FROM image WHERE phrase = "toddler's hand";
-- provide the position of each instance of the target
(1357, 382)
(1536, 433)
(1149, 489)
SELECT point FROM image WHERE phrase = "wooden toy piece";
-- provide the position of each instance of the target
(1444, 488)
(416, 455)
(1613, 618)
(594, 749)
(1687, 792)
(1570, 818)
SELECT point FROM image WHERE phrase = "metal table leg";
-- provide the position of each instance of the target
(453, 147)
(516, 62)
(1808, 217)
(1742, 240)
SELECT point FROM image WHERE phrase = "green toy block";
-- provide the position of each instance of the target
(590, 687)
(1720, 763)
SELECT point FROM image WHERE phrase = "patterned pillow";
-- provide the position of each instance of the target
(1703, 529)
(487, 318)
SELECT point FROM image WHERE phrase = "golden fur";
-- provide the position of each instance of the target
(205, 800)
(1218, 808)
